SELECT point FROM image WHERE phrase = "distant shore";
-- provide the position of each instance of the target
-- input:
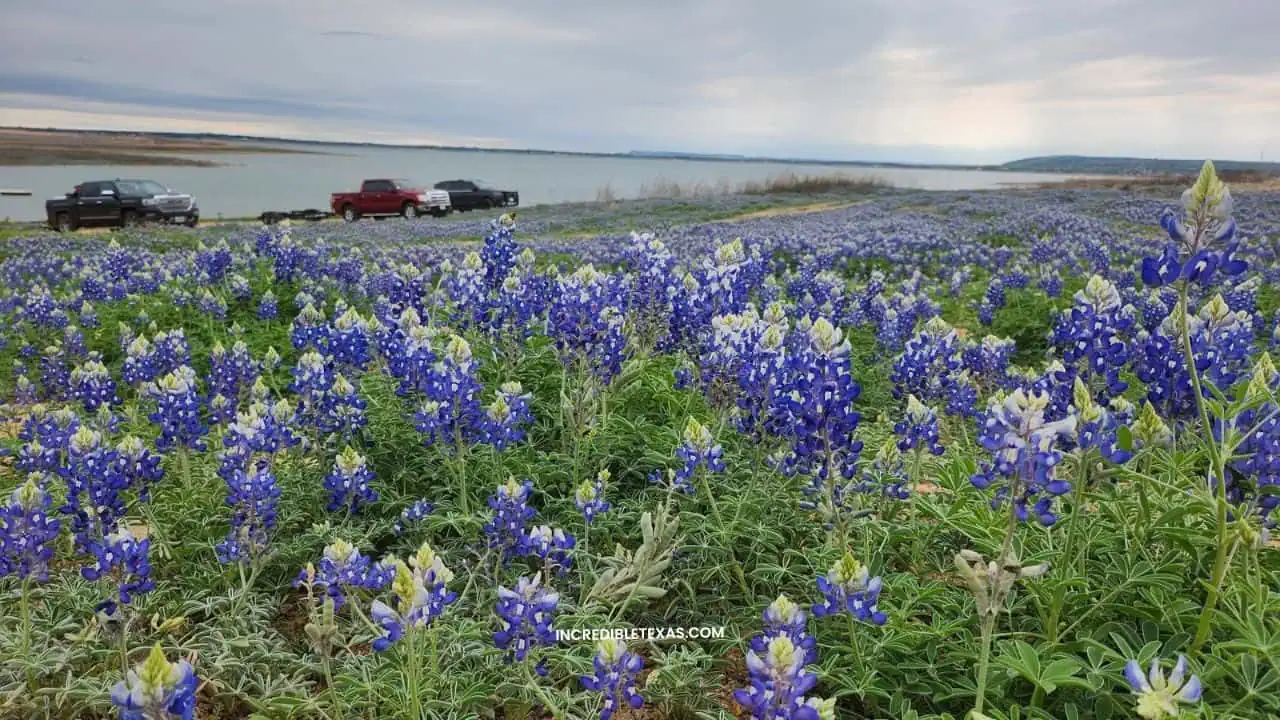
(70, 147)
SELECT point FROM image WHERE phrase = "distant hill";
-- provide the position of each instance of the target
(1081, 164)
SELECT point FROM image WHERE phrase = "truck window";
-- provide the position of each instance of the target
(377, 186)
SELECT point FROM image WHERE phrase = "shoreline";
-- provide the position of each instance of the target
(64, 148)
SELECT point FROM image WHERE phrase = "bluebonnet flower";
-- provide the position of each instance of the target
(885, 476)
(24, 391)
(414, 514)
(232, 373)
(254, 496)
(1255, 464)
(697, 448)
(589, 497)
(1096, 426)
(1092, 336)
(157, 690)
(211, 304)
(1201, 244)
(506, 529)
(929, 362)
(918, 428)
(73, 342)
(310, 330)
(779, 681)
(849, 588)
(552, 546)
(94, 487)
(784, 617)
(348, 482)
(92, 385)
(215, 263)
(342, 567)
(139, 468)
(525, 615)
(1025, 451)
(820, 410)
(615, 671)
(350, 341)
(507, 416)
(129, 557)
(421, 596)
(171, 351)
(27, 533)
(55, 376)
(452, 411)
(178, 410)
(1159, 696)
(268, 306)
(239, 287)
(140, 365)
(585, 319)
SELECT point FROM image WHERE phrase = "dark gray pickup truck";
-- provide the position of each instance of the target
(120, 203)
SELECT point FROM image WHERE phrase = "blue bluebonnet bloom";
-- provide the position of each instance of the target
(140, 364)
(157, 690)
(172, 351)
(73, 342)
(1025, 450)
(259, 429)
(92, 385)
(421, 595)
(585, 319)
(412, 515)
(232, 373)
(525, 615)
(1096, 426)
(552, 546)
(918, 428)
(140, 468)
(1159, 696)
(27, 532)
(452, 411)
(342, 567)
(94, 487)
(928, 363)
(1254, 468)
(849, 588)
(779, 681)
(254, 496)
(1202, 242)
(129, 557)
(506, 530)
(820, 410)
(310, 330)
(697, 449)
(784, 617)
(268, 306)
(1221, 343)
(507, 416)
(1092, 336)
(178, 410)
(615, 671)
(348, 482)
(350, 341)
(589, 497)
(55, 376)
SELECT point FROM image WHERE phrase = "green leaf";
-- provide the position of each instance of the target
(1124, 438)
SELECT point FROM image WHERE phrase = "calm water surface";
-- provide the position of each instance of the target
(252, 183)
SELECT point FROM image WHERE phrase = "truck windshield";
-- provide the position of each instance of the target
(140, 187)
(482, 184)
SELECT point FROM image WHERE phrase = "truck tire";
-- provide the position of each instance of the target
(349, 213)
(62, 222)
(130, 219)
(489, 204)
(409, 211)
(193, 222)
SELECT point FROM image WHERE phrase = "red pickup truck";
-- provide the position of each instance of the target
(383, 197)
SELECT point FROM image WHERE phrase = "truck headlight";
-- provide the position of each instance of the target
(149, 201)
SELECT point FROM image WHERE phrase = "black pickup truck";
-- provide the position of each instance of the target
(120, 203)
(477, 195)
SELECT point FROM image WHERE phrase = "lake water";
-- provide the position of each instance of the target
(252, 183)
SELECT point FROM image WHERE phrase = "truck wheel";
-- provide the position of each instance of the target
(130, 219)
(193, 222)
(409, 211)
(349, 214)
(489, 204)
(62, 222)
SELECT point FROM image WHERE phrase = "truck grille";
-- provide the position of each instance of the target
(176, 204)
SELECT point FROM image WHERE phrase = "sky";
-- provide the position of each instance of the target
(878, 80)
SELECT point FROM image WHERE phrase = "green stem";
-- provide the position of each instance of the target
(25, 601)
(720, 527)
(1069, 551)
(984, 661)
(1221, 558)
(853, 644)
(335, 699)
(411, 676)
(547, 702)
(459, 464)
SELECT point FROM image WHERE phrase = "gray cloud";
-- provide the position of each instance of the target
(917, 79)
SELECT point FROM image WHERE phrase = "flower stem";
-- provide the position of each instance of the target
(542, 695)
(853, 645)
(1069, 550)
(335, 699)
(25, 601)
(984, 661)
(715, 510)
(411, 675)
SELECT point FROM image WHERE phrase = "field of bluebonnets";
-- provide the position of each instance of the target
(999, 455)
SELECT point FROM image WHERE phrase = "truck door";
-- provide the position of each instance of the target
(96, 203)
(381, 198)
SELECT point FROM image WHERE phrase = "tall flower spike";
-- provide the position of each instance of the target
(616, 669)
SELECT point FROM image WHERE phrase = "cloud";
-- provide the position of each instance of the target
(976, 80)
